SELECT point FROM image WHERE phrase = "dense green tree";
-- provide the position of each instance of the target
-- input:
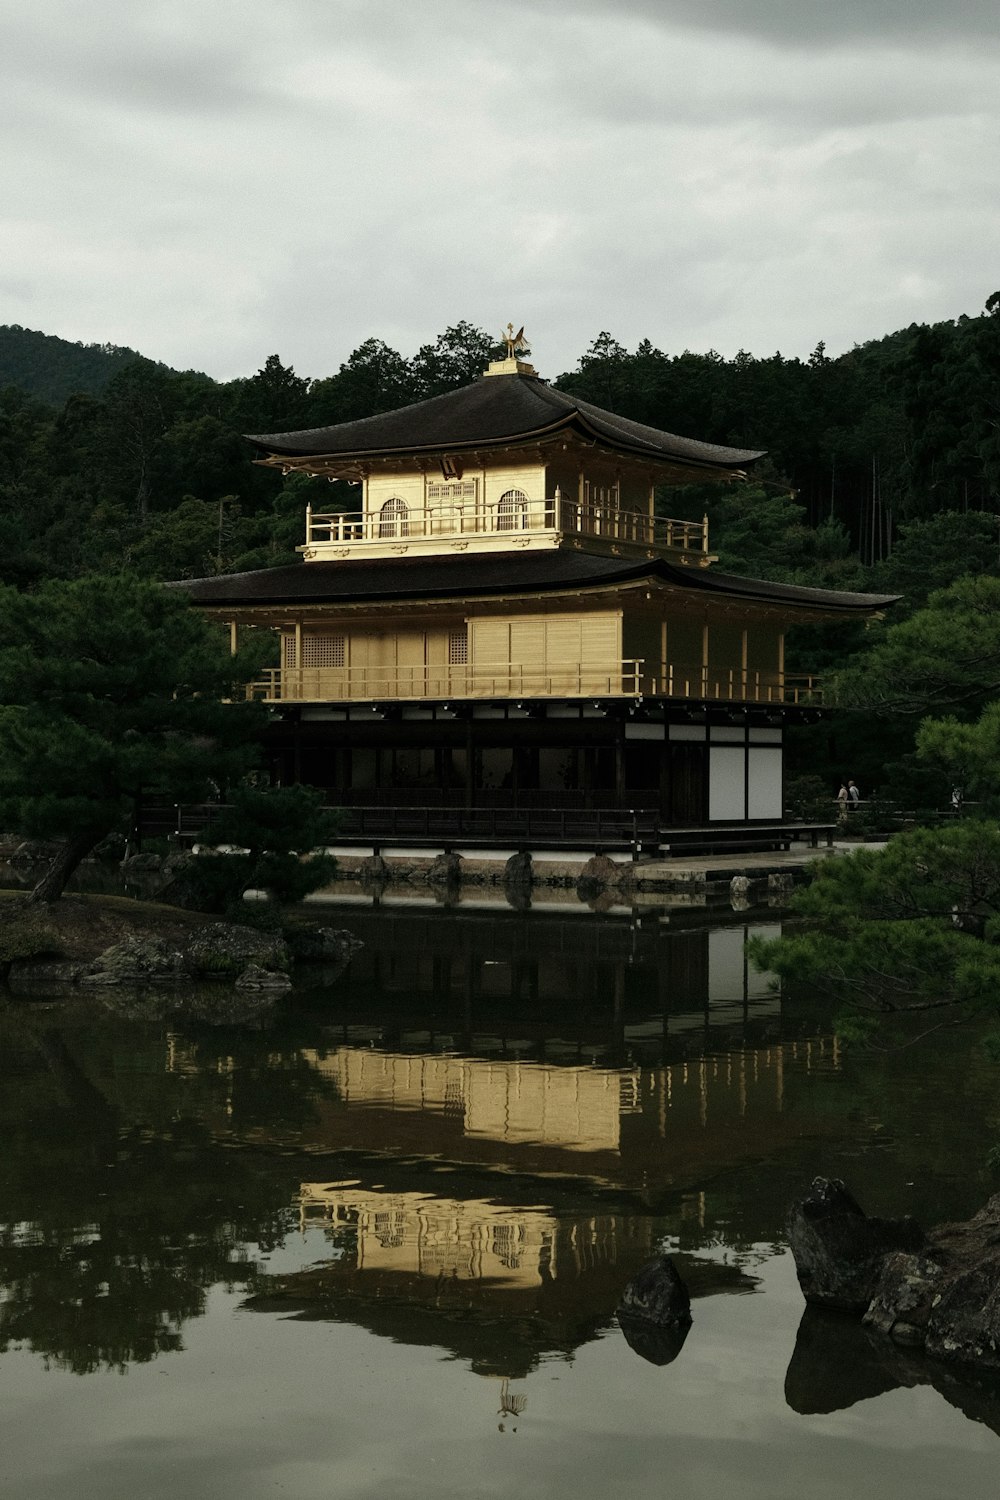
(968, 754)
(935, 552)
(195, 539)
(110, 689)
(456, 358)
(267, 831)
(945, 656)
(911, 928)
(373, 379)
(760, 531)
(273, 400)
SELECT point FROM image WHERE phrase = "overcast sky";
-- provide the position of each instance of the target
(213, 181)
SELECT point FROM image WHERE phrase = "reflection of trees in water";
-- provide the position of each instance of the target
(105, 1268)
(112, 1227)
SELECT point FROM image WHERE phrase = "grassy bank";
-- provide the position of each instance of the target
(83, 926)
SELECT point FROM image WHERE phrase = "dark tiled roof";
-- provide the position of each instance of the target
(494, 573)
(494, 410)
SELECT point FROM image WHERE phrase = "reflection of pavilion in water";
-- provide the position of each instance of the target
(406, 1234)
(483, 1077)
(700, 1084)
(486, 973)
(651, 1129)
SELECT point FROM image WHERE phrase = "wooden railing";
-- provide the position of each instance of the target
(733, 685)
(556, 514)
(634, 830)
(483, 680)
(509, 680)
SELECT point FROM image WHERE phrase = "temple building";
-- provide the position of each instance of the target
(506, 621)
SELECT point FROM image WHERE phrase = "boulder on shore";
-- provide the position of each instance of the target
(133, 961)
(224, 949)
(218, 950)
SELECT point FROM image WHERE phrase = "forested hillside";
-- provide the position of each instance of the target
(55, 369)
(883, 467)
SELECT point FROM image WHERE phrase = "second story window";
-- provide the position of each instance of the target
(458, 646)
(451, 494)
(323, 650)
(317, 651)
(512, 511)
(392, 518)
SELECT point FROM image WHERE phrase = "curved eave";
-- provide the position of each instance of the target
(828, 601)
(426, 581)
(492, 414)
(731, 464)
(538, 434)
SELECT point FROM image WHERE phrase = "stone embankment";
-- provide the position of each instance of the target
(747, 881)
(753, 881)
(938, 1290)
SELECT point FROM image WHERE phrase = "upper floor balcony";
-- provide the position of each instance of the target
(514, 520)
(509, 681)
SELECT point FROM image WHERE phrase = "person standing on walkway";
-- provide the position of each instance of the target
(854, 795)
(843, 797)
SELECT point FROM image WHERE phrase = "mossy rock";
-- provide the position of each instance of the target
(224, 950)
(27, 937)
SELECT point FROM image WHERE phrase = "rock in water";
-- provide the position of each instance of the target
(657, 1293)
(658, 1343)
(655, 1311)
(904, 1295)
(939, 1292)
(444, 869)
(518, 870)
(839, 1251)
(964, 1321)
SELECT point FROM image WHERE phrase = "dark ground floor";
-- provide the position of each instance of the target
(692, 769)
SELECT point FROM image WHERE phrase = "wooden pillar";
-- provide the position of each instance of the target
(704, 660)
(620, 762)
(298, 662)
(233, 638)
(744, 658)
(470, 765)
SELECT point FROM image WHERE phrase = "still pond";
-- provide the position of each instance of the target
(374, 1245)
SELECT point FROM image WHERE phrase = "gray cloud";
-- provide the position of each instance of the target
(802, 23)
(211, 183)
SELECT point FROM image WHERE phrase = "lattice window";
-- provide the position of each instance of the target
(288, 652)
(601, 494)
(512, 511)
(393, 518)
(452, 493)
(458, 646)
(323, 650)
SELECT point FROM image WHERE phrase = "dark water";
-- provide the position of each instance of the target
(378, 1242)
